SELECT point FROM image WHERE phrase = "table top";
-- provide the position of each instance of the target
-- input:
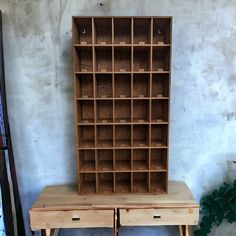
(66, 197)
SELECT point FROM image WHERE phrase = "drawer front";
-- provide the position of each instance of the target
(151, 217)
(71, 219)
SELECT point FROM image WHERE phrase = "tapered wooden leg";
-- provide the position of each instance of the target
(184, 230)
(115, 223)
(47, 232)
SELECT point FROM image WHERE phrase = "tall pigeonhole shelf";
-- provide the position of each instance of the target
(122, 72)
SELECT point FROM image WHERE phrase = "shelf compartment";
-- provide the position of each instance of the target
(140, 135)
(140, 182)
(122, 111)
(122, 31)
(86, 136)
(140, 111)
(159, 110)
(141, 85)
(123, 159)
(83, 59)
(161, 59)
(104, 136)
(104, 111)
(123, 183)
(83, 31)
(159, 135)
(142, 31)
(159, 159)
(86, 160)
(105, 182)
(84, 86)
(85, 112)
(158, 182)
(87, 183)
(161, 31)
(141, 59)
(105, 160)
(103, 31)
(104, 86)
(122, 86)
(122, 59)
(103, 59)
(122, 135)
(140, 159)
(160, 85)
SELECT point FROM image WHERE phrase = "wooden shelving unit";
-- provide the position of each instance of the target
(122, 72)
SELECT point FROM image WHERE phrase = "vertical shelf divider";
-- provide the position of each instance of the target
(132, 102)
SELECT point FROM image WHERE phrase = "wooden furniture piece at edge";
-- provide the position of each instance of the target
(62, 207)
(122, 74)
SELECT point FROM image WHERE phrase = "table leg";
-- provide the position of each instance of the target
(116, 222)
(47, 232)
(184, 230)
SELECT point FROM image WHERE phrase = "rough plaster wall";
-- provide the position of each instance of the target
(37, 37)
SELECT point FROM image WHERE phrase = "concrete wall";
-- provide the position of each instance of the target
(37, 36)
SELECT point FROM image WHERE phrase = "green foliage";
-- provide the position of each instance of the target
(219, 206)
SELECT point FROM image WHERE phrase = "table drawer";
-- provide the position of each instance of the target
(71, 219)
(149, 217)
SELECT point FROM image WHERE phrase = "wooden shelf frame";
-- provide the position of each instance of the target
(122, 74)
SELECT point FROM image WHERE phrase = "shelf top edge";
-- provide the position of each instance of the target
(123, 17)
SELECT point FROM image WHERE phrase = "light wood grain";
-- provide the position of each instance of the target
(154, 217)
(71, 219)
(65, 197)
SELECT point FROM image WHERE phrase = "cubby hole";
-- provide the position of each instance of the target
(159, 159)
(103, 59)
(140, 159)
(122, 31)
(141, 85)
(122, 111)
(159, 110)
(85, 111)
(83, 31)
(161, 59)
(83, 59)
(86, 136)
(160, 85)
(105, 159)
(105, 182)
(84, 86)
(140, 111)
(142, 31)
(103, 31)
(159, 135)
(104, 136)
(87, 183)
(122, 59)
(140, 135)
(104, 111)
(86, 160)
(158, 182)
(123, 159)
(122, 86)
(140, 182)
(141, 59)
(122, 135)
(104, 85)
(123, 182)
(161, 31)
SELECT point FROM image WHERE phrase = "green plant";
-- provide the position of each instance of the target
(216, 207)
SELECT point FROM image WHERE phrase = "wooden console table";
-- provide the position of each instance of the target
(62, 207)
